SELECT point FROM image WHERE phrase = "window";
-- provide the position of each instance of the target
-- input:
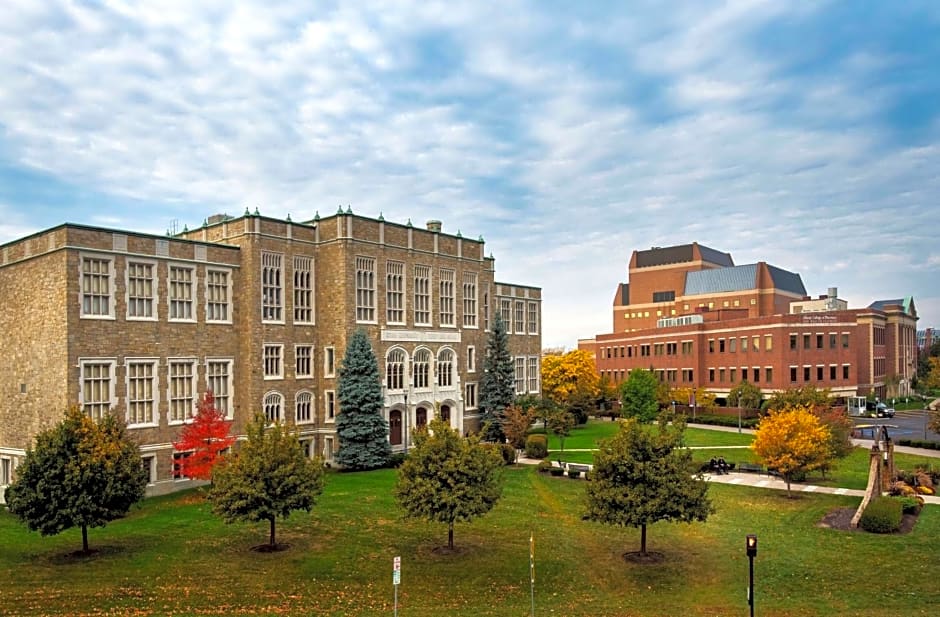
(686, 348)
(658, 348)
(768, 342)
(793, 374)
(645, 350)
(365, 289)
(711, 345)
(218, 296)
(664, 296)
(329, 361)
(273, 403)
(688, 375)
(149, 464)
(273, 360)
(422, 295)
(505, 312)
(303, 289)
(272, 287)
(97, 387)
(806, 373)
(178, 458)
(422, 369)
(793, 341)
(807, 339)
(6, 470)
(329, 399)
(845, 371)
(471, 359)
(832, 340)
(744, 374)
(303, 361)
(711, 375)
(756, 374)
(180, 292)
(734, 375)
(520, 375)
(303, 407)
(219, 381)
(520, 317)
(832, 372)
(445, 368)
(486, 311)
(819, 341)
(744, 342)
(768, 374)
(533, 318)
(733, 345)
(845, 340)
(140, 290)
(447, 297)
(96, 287)
(395, 370)
(470, 299)
(721, 345)
(819, 373)
(395, 292)
(141, 391)
(181, 375)
(721, 375)
(533, 374)
(671, 349)
(328, 448)
(470, 396)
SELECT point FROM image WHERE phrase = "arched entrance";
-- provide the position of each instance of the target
(394, 427)
(421, 416)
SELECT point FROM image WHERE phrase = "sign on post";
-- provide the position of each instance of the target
(396, 571)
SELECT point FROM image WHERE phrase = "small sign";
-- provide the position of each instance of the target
(396, 577)
(396, 564)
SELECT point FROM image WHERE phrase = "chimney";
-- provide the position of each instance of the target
(434, 226)
(833, 292)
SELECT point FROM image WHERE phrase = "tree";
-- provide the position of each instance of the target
(498, 384)
(447, 478)
(643, 476)
(840, 427)
(363, 432)
(806, 396)
(268, 477)
(703, 399)
(745, 395)
(517, 423)
(571, 380)
(792, 441)
(606, 395)
(81, 473)
(206, 438)
(931, 380)
(560, 422)
(638, 396)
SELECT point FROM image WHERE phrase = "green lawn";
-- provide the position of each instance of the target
(172, 557)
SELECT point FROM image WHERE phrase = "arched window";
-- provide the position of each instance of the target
(273, 403)
(445, 413)
(422, 368)
(445, 368)
(303, 407)
(421, 416)
(395, 369)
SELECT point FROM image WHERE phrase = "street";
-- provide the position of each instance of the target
(904, 425)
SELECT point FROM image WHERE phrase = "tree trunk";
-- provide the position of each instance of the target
(84, 538)
(271, 540)
(643, 539)
(450, 535)
(786, 477)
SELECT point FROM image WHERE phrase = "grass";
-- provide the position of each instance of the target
(172, 557)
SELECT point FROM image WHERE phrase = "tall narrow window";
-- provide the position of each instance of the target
(395, 370)
(520, 317)
(96, 287)
(395, 292)
(218, 296)
(329, 361)
(486, 311)
(520, 375)
(303, 361)
(445, 368)
(471, 359)
(329, 401)
(447, 297)
(303, 407)
(303, 289)
(181, 375)
(505, 312)
(470, 299)
(365, 289)
(219, 382)
(97, 393)
(180, 292)
(140, 290)
(273, 357)
(141, 392)
(533, 374)
(422, 369)
(273, 406)
(533, 318)
(422, 295)
(470, 396)
(272, 287)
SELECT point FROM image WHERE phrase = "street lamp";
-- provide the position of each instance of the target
(406, 423)
(751, 549)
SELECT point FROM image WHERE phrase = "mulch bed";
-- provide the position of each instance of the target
(841, 518)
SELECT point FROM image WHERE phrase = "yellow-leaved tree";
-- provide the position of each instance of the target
(792, 441)
(571, 381)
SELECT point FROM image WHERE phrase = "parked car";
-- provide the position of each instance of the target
(882, 411)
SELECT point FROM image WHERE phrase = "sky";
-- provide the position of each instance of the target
(567, 134)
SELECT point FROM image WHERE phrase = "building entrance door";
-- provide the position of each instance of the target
(394, 427)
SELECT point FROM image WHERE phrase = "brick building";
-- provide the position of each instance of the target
(697, 320)
(258, 311)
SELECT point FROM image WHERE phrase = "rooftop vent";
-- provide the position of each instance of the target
(434, 226)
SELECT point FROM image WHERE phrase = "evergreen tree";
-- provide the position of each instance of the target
(268, 477)
(81, 473)
(641, 476)
(363, 432)
(498, 384)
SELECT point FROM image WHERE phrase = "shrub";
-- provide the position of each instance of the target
(544, 466)
(508, 452)
(396, 459)
(574, 473)
(557, 471)
(536, 446)
(883, 515)
(911, 504)
(919, 443)
(924, 490)
(900, 488)
(716, 420)
(923, 478)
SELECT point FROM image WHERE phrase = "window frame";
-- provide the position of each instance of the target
(229, 395)
(304, 278)
(152, 300)
(170, 383)
(311, 410)
(212, 302)
(111, 401)
(470, 288)
(395, 292)
(329, 406)
(447, 298)
(266, 358)
(268, 401)
(308, 359)
(154, 378)
(173, 302)
(422, 279)
(272, 287)
(365, 289)
(109, 277)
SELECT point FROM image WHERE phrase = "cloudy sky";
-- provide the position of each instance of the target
(568, 134)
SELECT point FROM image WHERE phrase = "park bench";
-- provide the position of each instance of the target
(752, 467)
(576, 469)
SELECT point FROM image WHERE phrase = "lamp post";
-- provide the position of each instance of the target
(406, 423)
(751, 549)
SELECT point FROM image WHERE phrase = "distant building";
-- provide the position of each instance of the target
(926, 338)
(257, 310)
(697, 320)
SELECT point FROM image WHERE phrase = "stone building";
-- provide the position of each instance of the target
(699, 321)
(257, 310)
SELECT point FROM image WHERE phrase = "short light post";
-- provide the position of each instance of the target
(751, 548)
(406, 423)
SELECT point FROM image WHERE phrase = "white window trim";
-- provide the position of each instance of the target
(326, 365)
(283, 412)
(231, 300)
(111, 286)
(195, 389)
(476, 395)
(112, 385)
(309, 375)
(151, 459)
(374, 291)
(452, 297)
(154, 299)
(326, 406)
(230, 413)
(471, 353)
(475, 300)
(264, 368)
(529, 322)
(403, 292)
(537, 377)
(313, 291)
(429, 296)
(156, 391)
(281, 295)
(313, 407)
(169, 297)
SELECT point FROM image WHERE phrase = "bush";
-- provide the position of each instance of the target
(544, 466)
(396, 459)
(573, 473)
(924, 490)
(508, 452)
(919, 443)
(557, 471)
(900, 489)
(716, 420)
(536, 446)
(911, 504)
(883, 515)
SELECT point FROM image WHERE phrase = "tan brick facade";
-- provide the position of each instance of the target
(144, 324)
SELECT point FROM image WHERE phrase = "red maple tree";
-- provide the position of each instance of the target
(206, 438)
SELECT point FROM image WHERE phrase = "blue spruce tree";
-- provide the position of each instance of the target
(498, 385)
(363, 432)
